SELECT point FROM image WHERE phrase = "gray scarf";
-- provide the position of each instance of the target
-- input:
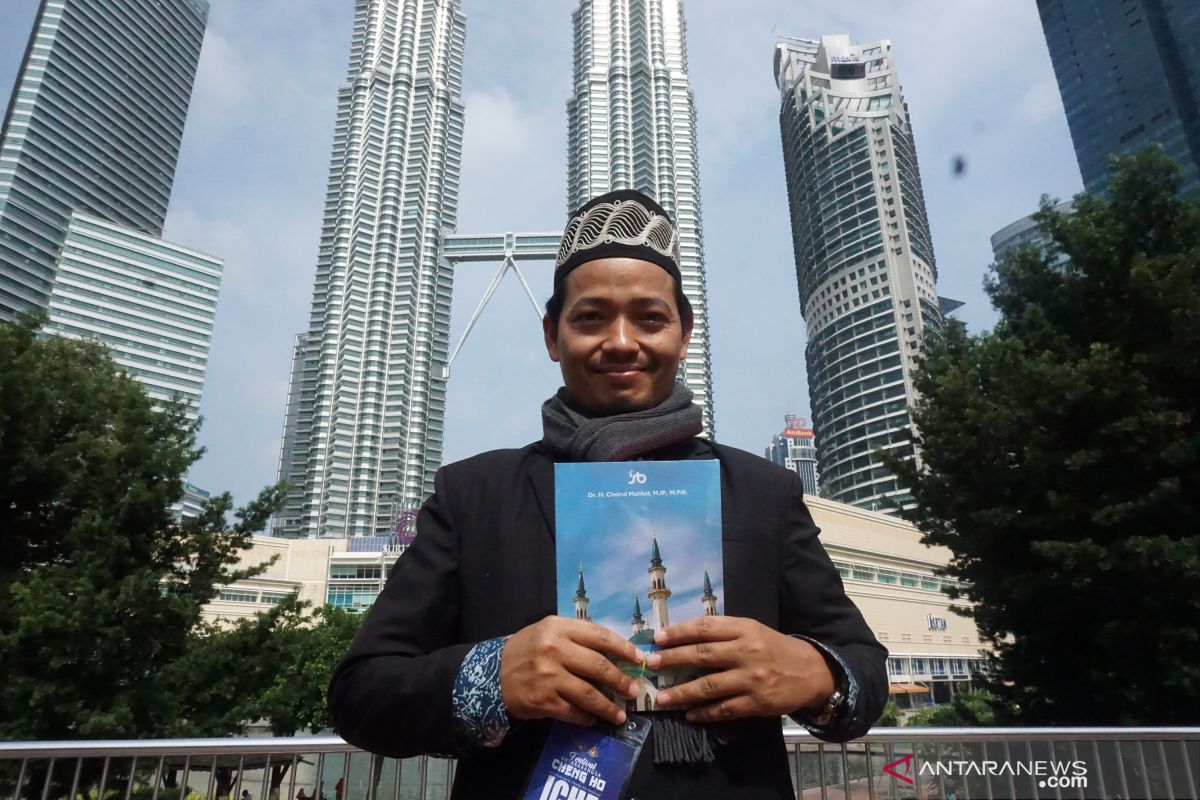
(578, 436)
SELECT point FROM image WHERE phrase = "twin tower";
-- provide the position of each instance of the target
(365, 417)
(364, 423)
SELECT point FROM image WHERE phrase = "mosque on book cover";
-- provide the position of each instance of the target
(650, 681)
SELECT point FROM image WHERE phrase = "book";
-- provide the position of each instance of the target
(638, 547)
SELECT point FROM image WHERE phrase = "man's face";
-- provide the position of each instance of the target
(619, 339)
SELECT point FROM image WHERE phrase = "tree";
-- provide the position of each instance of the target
(973, 709)
(101, 587)
(273, 668)
(1061, 459)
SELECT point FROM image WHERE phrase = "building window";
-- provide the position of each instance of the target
(896, 666)
(360, 572)
(352, 595)
(918, 666)
(937, 666)
(887, 576)
(238, 596)
(275, 598)
(862, 573)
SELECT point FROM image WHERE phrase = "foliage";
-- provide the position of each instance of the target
(973, 709)
(100, 587)
(274, 667)
(1061, 459)
(890, 718)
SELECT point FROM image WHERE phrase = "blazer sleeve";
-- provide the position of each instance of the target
(391, 693)
(814, 603)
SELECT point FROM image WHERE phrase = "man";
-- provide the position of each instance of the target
(462, 653)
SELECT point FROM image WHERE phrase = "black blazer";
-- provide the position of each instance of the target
(482, 566)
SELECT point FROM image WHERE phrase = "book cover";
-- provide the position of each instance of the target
(638, 547)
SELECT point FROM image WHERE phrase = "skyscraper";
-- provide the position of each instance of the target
(864, 258)
(1129, 74)
(151, 302)
(1024, 233)
(794, 448)
(631, 124)
(93, 125)
(365, 422)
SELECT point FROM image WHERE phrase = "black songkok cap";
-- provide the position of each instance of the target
(621, 224)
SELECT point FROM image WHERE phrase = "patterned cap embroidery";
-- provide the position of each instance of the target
(623, 221)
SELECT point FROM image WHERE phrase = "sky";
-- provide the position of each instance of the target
(252, 172)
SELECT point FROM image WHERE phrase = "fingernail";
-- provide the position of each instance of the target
(663, 698)
(690, 716)
(654, 660)
(620, 717)
(659, 637)
(631, 691)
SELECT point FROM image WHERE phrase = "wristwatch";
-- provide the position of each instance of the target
(830, 709)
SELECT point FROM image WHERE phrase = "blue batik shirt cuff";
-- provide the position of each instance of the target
(480, 716)
(845, 712)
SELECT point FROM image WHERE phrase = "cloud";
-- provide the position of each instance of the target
(1040, 103)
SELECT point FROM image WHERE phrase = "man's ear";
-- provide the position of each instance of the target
(687, 339)
(550, 334)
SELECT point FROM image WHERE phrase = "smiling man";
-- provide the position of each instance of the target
(462, 653)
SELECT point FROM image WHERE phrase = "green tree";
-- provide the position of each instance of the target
(973, 709)
(100, 587)
(274, 667)
(1061, 459)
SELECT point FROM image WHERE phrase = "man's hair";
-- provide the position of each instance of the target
(554, 305)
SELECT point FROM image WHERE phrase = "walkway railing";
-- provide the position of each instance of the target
(894, 763)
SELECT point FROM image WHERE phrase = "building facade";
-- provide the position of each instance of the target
(94, 125)
(631, 124)
(367, 402)
(152, 303)
(1023, 233)
(795, 448)
(864, 257)
(891, 576)
(1129, 75)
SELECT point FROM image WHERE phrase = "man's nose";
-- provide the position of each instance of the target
(621, 336)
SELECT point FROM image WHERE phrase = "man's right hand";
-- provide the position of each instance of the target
(553, 667)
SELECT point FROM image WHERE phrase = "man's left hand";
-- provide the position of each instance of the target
(754, 671)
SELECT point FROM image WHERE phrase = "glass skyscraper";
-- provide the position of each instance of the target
(864, 258)
(794, 448)
(631, 124)
(93, 125)
(367, 403)
(1129, 74)
(151, 302)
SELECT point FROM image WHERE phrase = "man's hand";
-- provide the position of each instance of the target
(756, 671)
(548, 670)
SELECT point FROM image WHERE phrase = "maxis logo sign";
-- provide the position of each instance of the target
(1048, 774)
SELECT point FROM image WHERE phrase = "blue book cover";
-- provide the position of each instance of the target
(638, 547)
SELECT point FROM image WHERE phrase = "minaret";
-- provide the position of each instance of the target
(581, 599)
(637, 622)
(659, 592)
(709, 599)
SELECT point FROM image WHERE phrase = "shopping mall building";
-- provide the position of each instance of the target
(889, 574)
